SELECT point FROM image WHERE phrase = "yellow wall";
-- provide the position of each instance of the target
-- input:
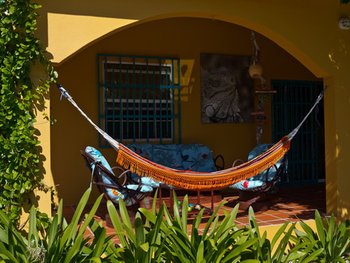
(306, 29)
(184, 38)
(43, 197)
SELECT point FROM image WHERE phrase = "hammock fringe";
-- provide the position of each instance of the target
(191, 180)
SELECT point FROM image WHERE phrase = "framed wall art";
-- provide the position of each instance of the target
(227, 90)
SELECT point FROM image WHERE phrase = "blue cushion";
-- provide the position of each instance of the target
(168, 155)
(197, 157)
(114, 194)
(97, 155)
(260, 179)
(194, 157)
(144, 150)
(149, 182)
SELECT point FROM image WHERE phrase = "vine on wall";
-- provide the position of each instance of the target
(20, 98)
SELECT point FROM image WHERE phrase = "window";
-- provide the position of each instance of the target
(139, 98)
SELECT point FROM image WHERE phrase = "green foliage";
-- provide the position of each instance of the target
(164, 236)
(330, 243)
(20, 50)
(139, 241)
(57, 242)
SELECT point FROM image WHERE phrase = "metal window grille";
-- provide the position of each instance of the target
(139, 98)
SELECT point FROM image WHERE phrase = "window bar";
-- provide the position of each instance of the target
(293, 97)
(292, 119)
(147, 100)
(317, 138)
(295, 114)
(308, 174)
(127, 86)
(133, 88)
(105, 105)
(178, 101)
(303, 163)
(286, 127)
(160, 70)
(305, 91)
(112, 95)
(99, 95)
(170, 111)
(304, 155)
(154, 103)
(173, 95)
(298, 113)
(171, 108)
(140, 99)
(121, 106)
(312, 136)
(167, 87)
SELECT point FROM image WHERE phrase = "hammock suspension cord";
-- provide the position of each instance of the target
(191, 180)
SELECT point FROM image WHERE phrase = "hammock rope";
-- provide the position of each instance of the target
(191, 180)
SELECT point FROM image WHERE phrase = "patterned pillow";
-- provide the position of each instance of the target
(168, 155)
(197, 157)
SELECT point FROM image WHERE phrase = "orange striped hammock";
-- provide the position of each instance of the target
(191, 180)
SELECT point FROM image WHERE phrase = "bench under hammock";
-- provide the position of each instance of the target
(192, 180)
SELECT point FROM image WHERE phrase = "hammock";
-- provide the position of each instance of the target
(191, 180)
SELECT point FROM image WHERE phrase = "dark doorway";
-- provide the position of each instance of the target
(306, 158)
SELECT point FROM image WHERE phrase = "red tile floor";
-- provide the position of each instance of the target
(289, 204)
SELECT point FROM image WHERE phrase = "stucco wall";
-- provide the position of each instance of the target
(306, 29)
(184, 38)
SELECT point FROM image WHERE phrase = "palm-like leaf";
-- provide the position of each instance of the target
(59, 242)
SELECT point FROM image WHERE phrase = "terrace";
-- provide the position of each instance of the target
(287, 205)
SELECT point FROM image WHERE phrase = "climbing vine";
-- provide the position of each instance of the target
(20, 98)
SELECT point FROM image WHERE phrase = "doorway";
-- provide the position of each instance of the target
(306, 157)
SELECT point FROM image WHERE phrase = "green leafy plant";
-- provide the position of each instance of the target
(163, 236)
(141, 240)
(330, 243)
(20, 98)
(160, 235)
(280, 248)
(220, 241)
(58, 241)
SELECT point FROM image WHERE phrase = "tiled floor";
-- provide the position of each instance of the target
(287, 205)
